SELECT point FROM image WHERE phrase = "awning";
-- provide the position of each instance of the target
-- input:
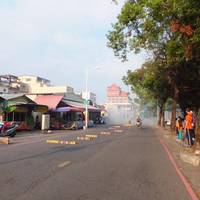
(74, 104)
(81, 105)
(68, 109)
(51, 101)
(61, 109)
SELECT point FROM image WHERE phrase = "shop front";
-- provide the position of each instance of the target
(23, 114)
(67, 118)
(19, 109)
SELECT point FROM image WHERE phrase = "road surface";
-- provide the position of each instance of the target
(129, 164)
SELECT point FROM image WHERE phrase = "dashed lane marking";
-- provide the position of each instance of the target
(84, 138)
(64, 164)
(92, 136)
(118, 131)
(105, 133)
(128, 125)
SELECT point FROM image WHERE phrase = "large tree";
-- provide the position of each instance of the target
(169, 30)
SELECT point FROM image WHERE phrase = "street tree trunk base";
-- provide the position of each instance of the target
(190, 158)
(196, 148)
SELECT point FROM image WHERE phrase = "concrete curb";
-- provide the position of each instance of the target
(4, 140)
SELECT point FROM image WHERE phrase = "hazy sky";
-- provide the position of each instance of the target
(58, 39)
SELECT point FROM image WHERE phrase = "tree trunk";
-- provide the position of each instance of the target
(163, 117)
(173, 117)
(174, 106)
(196, 146)
(197, 130)
(160, 115)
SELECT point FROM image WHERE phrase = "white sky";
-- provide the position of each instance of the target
(58, 39)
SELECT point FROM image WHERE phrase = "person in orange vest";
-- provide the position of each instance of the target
(189, 127)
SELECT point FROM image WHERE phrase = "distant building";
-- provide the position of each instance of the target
(38, 85)
(116, 96)
(11, 84)
(119, 105)
(35, 80)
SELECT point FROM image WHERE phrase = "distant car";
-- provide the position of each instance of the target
(99, 120)
(79, 124)
(102, 120)
(90, 123)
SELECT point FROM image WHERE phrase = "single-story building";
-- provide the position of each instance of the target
(19, 108)
(64, 110)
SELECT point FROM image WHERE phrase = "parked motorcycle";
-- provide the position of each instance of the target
(99, 120)
(8, 129)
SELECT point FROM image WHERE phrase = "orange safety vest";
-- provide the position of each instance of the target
(188, 121)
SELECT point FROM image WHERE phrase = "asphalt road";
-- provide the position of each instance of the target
(128, 165)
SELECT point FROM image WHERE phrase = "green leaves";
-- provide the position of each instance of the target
(170, 31)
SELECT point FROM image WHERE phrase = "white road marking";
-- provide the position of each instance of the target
(105, 133)
(63, 164)
(92, 136)
(118, 131)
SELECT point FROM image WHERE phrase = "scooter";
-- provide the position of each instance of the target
(8, 129)
(139, 123)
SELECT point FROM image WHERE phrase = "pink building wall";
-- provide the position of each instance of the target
(116, 95)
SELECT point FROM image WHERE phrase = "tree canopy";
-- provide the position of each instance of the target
(170, 31)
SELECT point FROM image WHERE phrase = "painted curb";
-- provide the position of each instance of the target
(61, 142)
(181, 176)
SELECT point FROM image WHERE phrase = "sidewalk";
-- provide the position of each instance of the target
(190, 172)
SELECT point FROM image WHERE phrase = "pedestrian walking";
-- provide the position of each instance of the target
(189, 127)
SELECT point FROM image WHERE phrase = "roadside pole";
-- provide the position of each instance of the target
(86, 99)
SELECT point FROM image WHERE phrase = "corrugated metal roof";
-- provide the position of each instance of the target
(73, 97)
(74, 104)
(51, 101)
(13, 99)
(11, 96)
(79, 105)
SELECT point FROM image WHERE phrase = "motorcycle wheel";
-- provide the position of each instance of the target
(13, 134)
